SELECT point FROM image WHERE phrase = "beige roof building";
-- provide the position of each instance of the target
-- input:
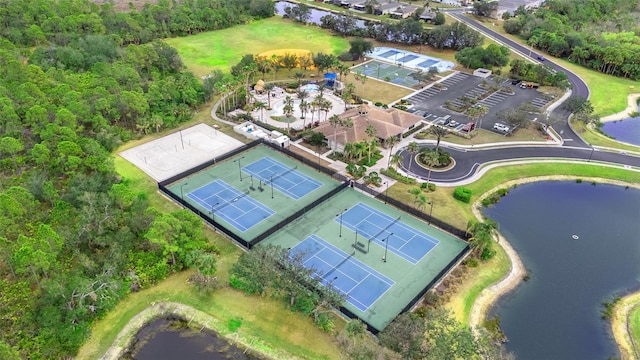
(388, 122)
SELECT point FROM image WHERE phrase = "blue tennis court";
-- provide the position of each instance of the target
(286, 179)
(407, 58)
(403, 240)
(389, 53)
(362, 285)
(230, 204)
(427, 64)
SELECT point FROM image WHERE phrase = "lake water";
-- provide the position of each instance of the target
(557, 313)
(171, 339)
(316, 14)
(627, 130)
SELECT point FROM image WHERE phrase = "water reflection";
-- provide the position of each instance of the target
(557, 313)
(173, 339)
(627, 130)
(316, 14)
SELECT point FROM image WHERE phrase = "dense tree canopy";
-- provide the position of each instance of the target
(601, 35)
(76, 80)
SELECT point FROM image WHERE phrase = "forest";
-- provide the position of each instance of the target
(601, 35)
(76, 81)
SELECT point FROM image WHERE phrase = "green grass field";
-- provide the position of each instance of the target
(634, 321)
(222, 49)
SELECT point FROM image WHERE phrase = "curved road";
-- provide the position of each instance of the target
(468, 161)
(579, 87)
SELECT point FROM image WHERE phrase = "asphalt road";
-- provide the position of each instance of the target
(579, 87)
(468, 160)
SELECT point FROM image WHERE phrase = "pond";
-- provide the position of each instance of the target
(557, 313)
(627, 130)
(173, 339)
(316, 14)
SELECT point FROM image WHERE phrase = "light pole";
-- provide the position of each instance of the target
(272, 186)
(386, 192)
(239, 166)
(386, 246)
(430, 211)
(343, 211)
(213, 212)
(590, 155)
(182, 190)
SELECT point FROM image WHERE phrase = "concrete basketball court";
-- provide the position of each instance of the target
(172, 154)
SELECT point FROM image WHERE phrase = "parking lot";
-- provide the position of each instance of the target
(430, 102)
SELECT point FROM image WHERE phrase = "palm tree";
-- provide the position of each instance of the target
(438, 132)
(288, 110)
(413, 149)
(346, 97)
(371, 133)
(359, 149)
(416, 192)
(334, 121)
(342, 70)
(482, 235)
(268, 87)
(421, 202)
(299, 75)
(395, 160)
(326, 107)
(391, 141)
(348, 150)
(264, 66)
(304, 106)
(260, 105)
(301, 94)
(430, 158)
(482, 111)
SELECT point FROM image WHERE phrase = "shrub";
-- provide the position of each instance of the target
(418, 127)
(325, 323)
(423, 186)
(471, 262)
(463, 194)
(234, 324)
(432, 187)
(392, 173)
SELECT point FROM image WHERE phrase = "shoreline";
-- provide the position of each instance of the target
(489, 296)
(203, 320)
(632, 105)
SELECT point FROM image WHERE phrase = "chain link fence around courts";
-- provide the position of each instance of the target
(413, 211)
(331, 172)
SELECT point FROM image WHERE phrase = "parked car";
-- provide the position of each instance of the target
(468, 126)
(501, 127)
(452, 123)
(515, 81)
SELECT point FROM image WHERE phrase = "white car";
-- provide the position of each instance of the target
(501, 127)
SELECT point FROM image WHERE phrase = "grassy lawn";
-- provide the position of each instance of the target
(263, 318)
(375, 90)
(485, 275)
(485, 137)
(634, 321)
(457, 214)
(608, 93)
(222, 49)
